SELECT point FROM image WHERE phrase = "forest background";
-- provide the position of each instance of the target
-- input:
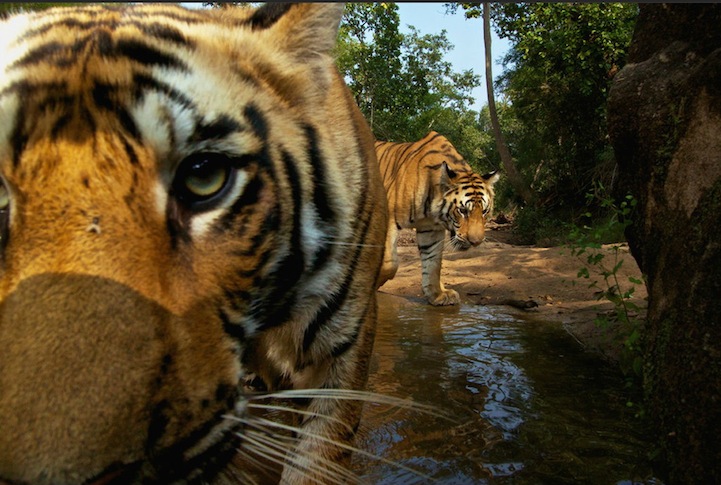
(550, 98)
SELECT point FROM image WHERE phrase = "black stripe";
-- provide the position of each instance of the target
(18, 139)
(320, 182)
(257, 121)
(68, 23)
(428, 200)
(161, 32)
(102, 95)
(130, 152)
(171, 465)
(342, 348)
(55, 53)
(128, 123)
(288, 272)
(143, 82)
(164, 32)
(267, 15)
(60, 123)
(249, 197)
(321, 198)
(270, 225)
(217, 129)
(235, 330)
(146, 55)
(55, 100)
(88, 117)
(337, 299)
(103, 98)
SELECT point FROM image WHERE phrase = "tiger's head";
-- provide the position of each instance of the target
(187, 200)
(466, 205)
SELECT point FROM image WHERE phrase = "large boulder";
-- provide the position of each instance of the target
(664, 118)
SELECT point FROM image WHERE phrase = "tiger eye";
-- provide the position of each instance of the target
(202, 180)
(206, 180)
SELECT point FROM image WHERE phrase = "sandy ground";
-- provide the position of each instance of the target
(542, 281)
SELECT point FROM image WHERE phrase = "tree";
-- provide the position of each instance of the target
(664, 120)
(514, 177)
(368, 54)
(402, 83)
(562, 59)
(562, 62)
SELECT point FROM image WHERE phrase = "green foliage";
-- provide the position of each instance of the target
(559, 71)
(551, 107)
(401, 83)
(536, 225)
(601, 269)
(557, 75)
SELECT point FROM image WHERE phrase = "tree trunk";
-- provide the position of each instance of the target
(664, 120)
(514, 177)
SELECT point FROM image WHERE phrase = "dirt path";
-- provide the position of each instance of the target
(499, 272)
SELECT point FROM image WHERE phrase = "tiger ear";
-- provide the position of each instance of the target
(447, 175)
(303, 29)
(491, 177)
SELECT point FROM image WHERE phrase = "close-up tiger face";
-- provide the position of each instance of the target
(190, 212)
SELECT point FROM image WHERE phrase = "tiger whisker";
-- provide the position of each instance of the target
(249, 456)
(353, 449)
(278, 448)
(352, 395)
(270, 453)
(341, 475)
(300, 412)
(269, 443)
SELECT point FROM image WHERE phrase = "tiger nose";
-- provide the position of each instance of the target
(477, 235)
(87, 373)
(476, 241)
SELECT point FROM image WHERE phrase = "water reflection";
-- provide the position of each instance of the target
(528, 406)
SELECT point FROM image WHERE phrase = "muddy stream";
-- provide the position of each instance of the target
(528, 406)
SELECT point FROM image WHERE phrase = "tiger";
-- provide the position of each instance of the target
(192, 223)
(432, 188)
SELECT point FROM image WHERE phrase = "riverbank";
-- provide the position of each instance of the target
(541, 282)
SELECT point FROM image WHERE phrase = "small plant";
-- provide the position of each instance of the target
(601, 268)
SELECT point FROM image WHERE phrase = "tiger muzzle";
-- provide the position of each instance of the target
(77, 372)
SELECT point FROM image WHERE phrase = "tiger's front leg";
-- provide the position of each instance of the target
(329, 403)
(329, 422)
(430, 245)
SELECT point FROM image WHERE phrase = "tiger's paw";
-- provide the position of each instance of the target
(445, 297)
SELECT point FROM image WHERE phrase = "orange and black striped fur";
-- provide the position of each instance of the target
(191, 213)
(431, 188)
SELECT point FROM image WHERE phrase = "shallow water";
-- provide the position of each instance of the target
(528, 406)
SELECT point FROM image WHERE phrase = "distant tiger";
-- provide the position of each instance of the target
(431, 188)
